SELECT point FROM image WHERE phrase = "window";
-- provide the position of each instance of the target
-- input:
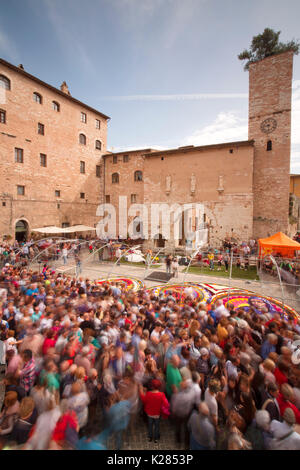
(43, 159)
(115, 159)
(21, 190)
(2, 116)
(269, 145)
(125, 158)
(115, 178)
(98, 145)
(98, 171)
(3, 203)
(97, 124)
(82, 167)
(82, 139)
(133, 198)
(138, 176)
(4, 82)
(37, 98)
(82, 195)
(56, 106)
(107, 199)
(57, 193)
(83, 117)
(58, 206)
(230, 150)
(41, 129)
(19, 156)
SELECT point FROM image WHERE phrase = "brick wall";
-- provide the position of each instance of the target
(60, 143)
(270, 82)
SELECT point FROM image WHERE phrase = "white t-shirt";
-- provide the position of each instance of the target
(10, 343)
(211, 403)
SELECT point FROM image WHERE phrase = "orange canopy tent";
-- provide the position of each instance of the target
(278, 244)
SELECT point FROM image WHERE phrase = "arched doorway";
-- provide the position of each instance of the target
(159, 241)
(21, 230)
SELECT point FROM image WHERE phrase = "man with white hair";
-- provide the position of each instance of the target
(258, 433)
(220, 310)
(202, 432)
(284, 435)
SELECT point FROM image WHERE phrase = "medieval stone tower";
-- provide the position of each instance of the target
(270, 93)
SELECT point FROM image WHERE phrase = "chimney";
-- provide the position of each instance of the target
(64, 88)
(21, 66)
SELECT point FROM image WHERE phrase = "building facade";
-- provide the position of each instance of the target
(51, 147)
(55, 169)
(219, 177)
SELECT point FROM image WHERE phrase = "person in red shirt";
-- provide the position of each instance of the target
(285, 399)
(49, 341)
(281, 372)
(155, 404)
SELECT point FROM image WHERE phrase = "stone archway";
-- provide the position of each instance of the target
(21, 230)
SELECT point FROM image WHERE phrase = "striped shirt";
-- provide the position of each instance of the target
(27, 376)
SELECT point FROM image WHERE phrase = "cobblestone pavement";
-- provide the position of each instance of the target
(136, 437)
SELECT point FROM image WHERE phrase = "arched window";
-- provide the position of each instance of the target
(269, 145)
(98, 145)
(56, 106)
(82, 139)
(138, 176)
(37, 98)
(115, 178)
(4, 82)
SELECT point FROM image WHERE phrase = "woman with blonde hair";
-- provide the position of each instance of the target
(267, 368)
(9, 414)
(45, 426)
(78, 402)
(27, 418)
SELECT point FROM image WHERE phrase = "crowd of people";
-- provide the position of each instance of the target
(85, 362)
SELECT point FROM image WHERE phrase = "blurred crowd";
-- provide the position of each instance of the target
(85, 362)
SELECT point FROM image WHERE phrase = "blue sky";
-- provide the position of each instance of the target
(165, 71)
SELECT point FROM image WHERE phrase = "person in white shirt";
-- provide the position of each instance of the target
(210, 399)
(65, 254)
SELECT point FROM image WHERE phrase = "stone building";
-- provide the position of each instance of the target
(51, 146)
(243, 186)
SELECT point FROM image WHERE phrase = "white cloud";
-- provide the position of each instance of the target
(177, 97)
(296, 113)
(227, 127)
(295, 162)
(7, 47)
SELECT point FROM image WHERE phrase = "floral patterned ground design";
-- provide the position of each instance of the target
(130, 283)
(181, 291)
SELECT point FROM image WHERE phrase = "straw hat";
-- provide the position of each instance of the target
(26, 407)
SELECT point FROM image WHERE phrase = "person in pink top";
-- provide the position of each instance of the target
(49, 341)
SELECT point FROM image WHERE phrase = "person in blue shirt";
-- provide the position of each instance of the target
(268, 346)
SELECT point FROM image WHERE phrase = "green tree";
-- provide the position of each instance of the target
(267, 44)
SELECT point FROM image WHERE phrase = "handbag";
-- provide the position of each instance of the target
(165, 408)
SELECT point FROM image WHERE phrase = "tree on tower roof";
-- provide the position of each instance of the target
(265, 45)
